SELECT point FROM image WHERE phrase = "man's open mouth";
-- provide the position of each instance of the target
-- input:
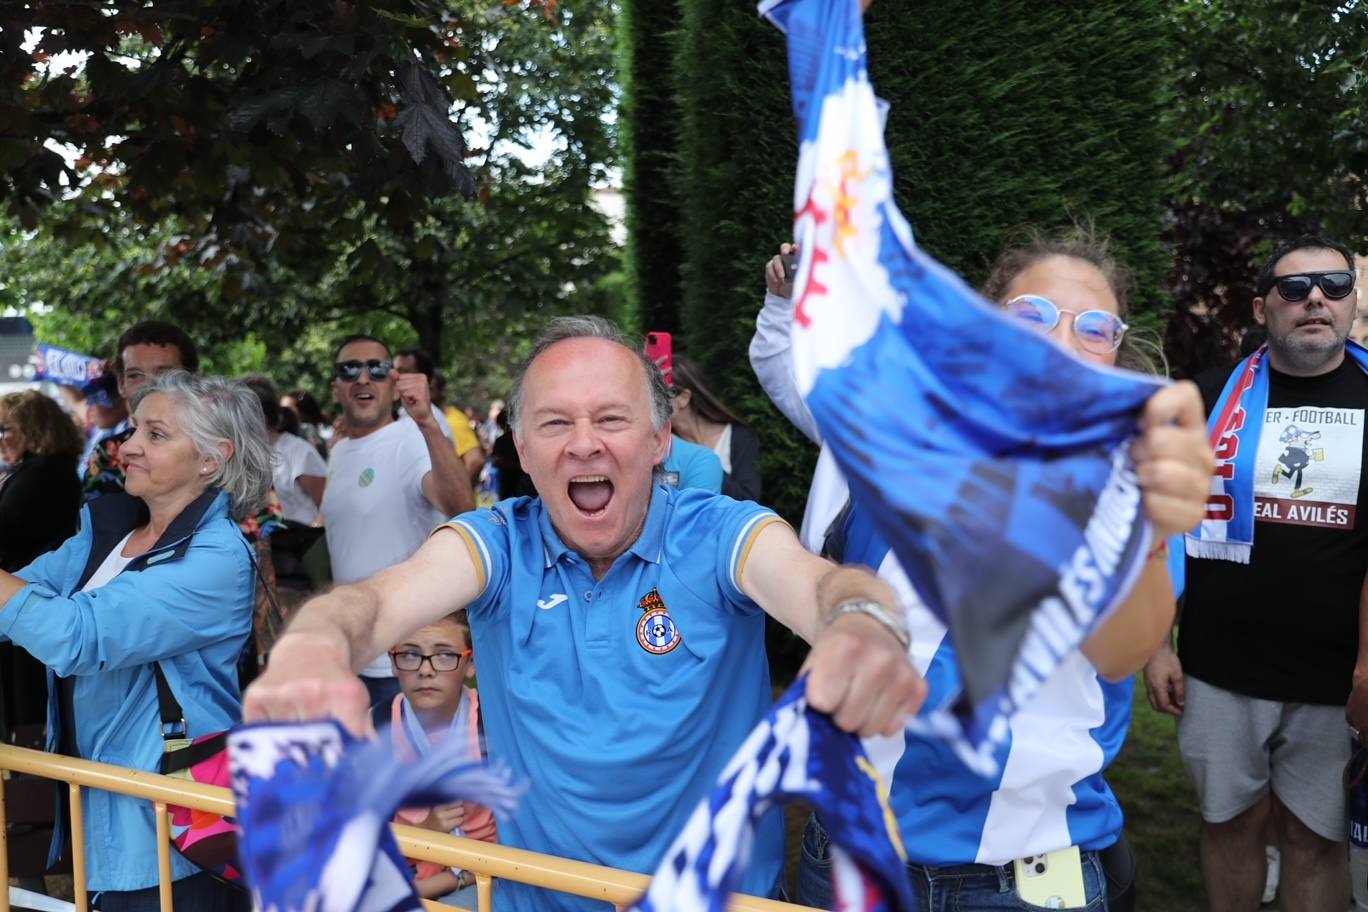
(590, 493)
(1315, 321)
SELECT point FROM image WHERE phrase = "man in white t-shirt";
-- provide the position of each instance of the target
(389, 482)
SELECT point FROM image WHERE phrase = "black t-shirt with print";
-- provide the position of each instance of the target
(1285, 626)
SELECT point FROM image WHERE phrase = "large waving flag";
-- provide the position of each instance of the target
(995, 463)
(314, 806)
(793, 754)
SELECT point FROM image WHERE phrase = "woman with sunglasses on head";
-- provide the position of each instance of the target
(968, 838)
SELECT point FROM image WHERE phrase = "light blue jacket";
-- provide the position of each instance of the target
(186, 603)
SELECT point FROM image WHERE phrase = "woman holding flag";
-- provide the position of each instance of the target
(1018, 496)
(1047, 801)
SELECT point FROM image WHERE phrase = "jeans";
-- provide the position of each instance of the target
(198, 892)
(951, 888)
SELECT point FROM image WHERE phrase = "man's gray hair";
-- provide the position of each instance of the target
(214, 410)
(587, 326)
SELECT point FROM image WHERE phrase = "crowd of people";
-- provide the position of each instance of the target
(616, 586)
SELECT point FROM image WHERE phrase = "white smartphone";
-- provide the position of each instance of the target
(1053, 880)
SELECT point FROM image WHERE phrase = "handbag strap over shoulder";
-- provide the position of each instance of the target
(173, 724)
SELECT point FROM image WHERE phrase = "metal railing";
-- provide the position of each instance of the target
(488, 861)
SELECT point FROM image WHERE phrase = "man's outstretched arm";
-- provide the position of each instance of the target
(312, 669)
(859, 669)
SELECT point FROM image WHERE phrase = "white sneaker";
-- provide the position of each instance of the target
(1274, 870)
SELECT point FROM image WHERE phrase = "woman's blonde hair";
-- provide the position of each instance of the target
(48, 429)
(1140, 349)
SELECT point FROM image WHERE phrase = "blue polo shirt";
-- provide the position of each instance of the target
(688, 465)
(619, 701)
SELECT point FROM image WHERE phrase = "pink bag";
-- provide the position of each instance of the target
(209, 840)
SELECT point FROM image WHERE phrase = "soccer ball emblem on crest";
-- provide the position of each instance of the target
(656, 631)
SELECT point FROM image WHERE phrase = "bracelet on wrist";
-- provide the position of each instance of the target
(891, 622)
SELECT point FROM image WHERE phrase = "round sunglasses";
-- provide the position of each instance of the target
(1097, 331)
(1334, 284)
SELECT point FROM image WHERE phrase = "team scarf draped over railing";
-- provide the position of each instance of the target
(314, 806)
(793, 754)
(1226, 532)
(995, 463)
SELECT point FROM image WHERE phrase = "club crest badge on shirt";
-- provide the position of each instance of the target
(656, 631)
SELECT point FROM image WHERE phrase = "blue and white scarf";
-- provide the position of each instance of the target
(456, 733)
(1227, 530)
(314, 807)
(994, 463)
(795, 753)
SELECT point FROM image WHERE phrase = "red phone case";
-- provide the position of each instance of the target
(660, 349)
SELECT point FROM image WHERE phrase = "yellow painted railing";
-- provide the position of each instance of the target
(488, 861)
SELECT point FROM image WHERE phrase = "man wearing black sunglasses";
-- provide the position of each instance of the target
(390, 483)
(1269, 665)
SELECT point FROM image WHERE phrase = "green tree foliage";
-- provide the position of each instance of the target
(1007, 115)
(235, 112)
(1004, 115)
(1270, 119)
(292, 170)
(649, 118)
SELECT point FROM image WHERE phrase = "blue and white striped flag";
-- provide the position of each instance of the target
(793, 754)
(314, 806)
(994, 463)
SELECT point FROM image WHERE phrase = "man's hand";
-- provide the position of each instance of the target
(774, 272)
(860, 673)
(1173, 460)
(309, 678)
(413, 392)
(445, 817)
(1164, 682)
(1357, 709)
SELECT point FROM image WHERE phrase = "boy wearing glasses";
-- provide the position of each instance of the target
(432, 665)
(389, 482)
(1268, 657)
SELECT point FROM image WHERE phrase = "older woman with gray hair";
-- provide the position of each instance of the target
(198, 461)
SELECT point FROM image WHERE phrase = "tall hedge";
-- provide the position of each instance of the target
(649, 133)
(1004, 115)
(1009, 114)
(734, 183)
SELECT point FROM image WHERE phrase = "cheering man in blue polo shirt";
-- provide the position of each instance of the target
(619, 623)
